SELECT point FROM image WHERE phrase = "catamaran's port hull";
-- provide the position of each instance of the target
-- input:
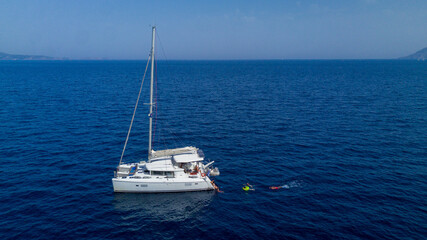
(134, 186)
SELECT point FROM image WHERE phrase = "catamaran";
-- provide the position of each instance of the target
(169, 170)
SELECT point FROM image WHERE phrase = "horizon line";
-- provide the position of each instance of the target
(236, 59)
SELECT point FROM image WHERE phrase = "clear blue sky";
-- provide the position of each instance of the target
(215, 29)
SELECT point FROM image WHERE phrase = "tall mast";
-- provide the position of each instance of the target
(151, 94)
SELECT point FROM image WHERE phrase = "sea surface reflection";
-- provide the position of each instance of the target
(162, 206)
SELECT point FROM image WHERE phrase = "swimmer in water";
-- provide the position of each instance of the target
(216, 187)
(279, 187)
(248, 187)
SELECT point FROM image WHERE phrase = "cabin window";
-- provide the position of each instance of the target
(163, 173)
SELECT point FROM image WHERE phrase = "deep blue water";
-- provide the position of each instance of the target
(347, 138)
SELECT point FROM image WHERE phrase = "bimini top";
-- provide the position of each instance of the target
(187, 157)
(170, 152)
(161, 165)
(179, 155)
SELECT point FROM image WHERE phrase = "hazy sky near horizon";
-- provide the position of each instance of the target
(219, 29)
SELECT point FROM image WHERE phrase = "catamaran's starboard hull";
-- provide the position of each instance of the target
(138, 186)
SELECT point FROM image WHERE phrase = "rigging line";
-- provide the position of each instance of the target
(161, 46)
(134, 111)
(164, 141)
(176, 138)
(167, 61)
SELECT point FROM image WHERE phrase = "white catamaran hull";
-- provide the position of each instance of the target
(170, 185)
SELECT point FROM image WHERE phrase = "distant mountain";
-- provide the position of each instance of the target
(6, 56)
(420, 55)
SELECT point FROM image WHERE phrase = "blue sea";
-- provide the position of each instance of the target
(347, 140)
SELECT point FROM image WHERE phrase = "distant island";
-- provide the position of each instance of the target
(420, 55)
(6, 56)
